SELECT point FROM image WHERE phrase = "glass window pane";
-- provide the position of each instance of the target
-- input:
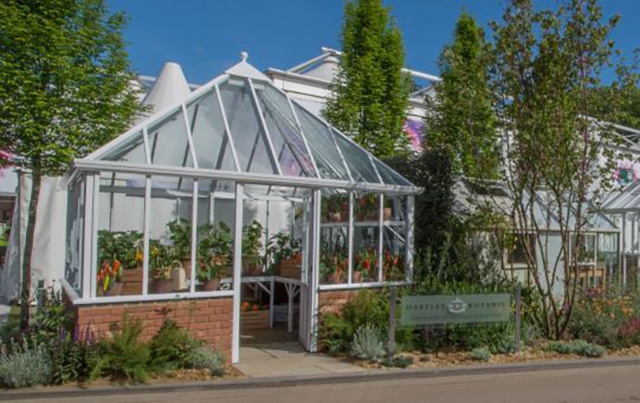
(120, 234)
(168, 141)
(393, 254)
(75, 236)
(130, 151)
(360, 165)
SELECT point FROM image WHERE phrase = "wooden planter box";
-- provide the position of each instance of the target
(132, 282)
(254, 320)
(290, 268)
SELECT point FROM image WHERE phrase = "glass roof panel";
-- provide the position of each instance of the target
(168, 141)
(130, 151)
(389, 176)
(322, 145)
(246, 131)
(210, 140)
(359, 162)
(285, 134)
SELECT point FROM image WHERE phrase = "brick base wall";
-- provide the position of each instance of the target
(208, 319)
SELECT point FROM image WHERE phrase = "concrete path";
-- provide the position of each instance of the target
(5, 309)
(288, 359)
(582, 385)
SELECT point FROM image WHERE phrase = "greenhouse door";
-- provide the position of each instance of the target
(309, 288)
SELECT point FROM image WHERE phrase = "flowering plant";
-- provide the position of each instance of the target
(252, 307)
(393, 266)
(366, 262)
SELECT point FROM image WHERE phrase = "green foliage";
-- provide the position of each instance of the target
(172, 347)
(214, 251)
(545, 67)
(367, 343)
(370, 91)
(122, 246)
(252, 239)
(207, 358)
(460, 116)
(481, 354)
(180, 234)
(64, 91)
(25, 364)
(280, 246)
(398, 361)
(125, 357)
(577, 347)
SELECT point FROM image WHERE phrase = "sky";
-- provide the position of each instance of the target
(206, 36)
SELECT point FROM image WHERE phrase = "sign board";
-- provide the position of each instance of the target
(444, 309)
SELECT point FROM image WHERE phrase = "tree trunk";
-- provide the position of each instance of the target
(25, 301)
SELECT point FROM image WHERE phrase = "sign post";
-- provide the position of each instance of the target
(518, 308)
(445, 309)
(391, 347)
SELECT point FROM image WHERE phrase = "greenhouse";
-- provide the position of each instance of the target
(235, 191)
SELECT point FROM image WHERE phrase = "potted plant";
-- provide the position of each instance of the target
(160, 265)
(180, 235)
(368, 208)
(109, 278)
(335, 208)
(392, 266)
(214, 255)
(388, 210)
(126, 247)
(251, 246)
(333, 267)
(364, 267)
(284, 256)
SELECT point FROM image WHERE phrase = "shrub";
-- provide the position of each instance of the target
(367, 343)
(125, 357)
(25, 364)
(73, 356)
(171, 347)
(205, 357)
(577, 347)
(397, 361)
(481, 354)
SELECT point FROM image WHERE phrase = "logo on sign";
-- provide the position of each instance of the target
(457, 306)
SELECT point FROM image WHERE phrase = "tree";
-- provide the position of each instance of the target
(460, 113)
(64, 91)
(556, 158)
(370, 92)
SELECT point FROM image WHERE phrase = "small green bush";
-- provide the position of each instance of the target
(125, 357)
(25, 364)
(205, 357)
(171, 347)
(577, 347)
(399, 361)
(481, 354)
(367, 343)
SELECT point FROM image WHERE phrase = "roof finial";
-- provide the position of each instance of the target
(244, 55)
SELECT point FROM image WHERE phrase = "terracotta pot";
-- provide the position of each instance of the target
(251, 266)
(335, 278)
(387, 213)
(371, 216)
(356, 277)
(132, 279)
(161, 286)
(212, 285)
(296, 258)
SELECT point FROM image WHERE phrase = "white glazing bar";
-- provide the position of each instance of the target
(147, 148)
(192, 149)
(145, 236)
(380, 235)
(194, 237)
(272, 150)
(409, 217)
(350, 241)
(95, 209)
(624, 249)
(335, 143)
(315, 270)
(212, 206)
(304, 138)
(87, 267)
(232, 146)
(237, 273)
(375, 168)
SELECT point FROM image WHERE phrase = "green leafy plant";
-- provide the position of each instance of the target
(577, 347)
(481, 354)
(280, 246)
(205, 357)
(180, 235)
(367, 343)
(214, 252)
(25, 364)
(252, 239)
(399, 361)
(172, 347)
(125, 357)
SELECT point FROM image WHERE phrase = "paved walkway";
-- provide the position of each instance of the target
(5, 309)
(276, 353)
